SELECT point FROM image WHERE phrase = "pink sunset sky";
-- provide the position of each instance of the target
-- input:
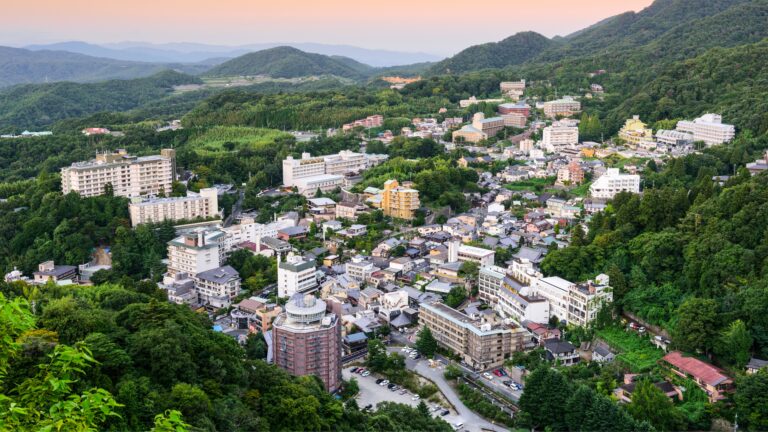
(435, 26)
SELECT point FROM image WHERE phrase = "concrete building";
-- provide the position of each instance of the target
(572, 174)
(129, 176)
(326, 173)
(399, 202)
(513, 89)
(458, 252)
(612, 182)
(360, 268)
(367, 123)
(489, 126)
(295, 275)
(195, 205)
(48, 271)
(307, 341)
(635, 132)
(585, 300)
(505, 295)
(217, 287)
(515, 120)
(558, 136)
(480, 342)
(520, 108)
(708, 128)
(555, 290)
(464, 103)
(196, 252)
(468, 133)
(674, 138)
(564, 107)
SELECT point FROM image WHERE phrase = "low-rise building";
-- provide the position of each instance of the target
(712, 380)
(612, 182)
(561, 352)
(48, 271)
(217, 287)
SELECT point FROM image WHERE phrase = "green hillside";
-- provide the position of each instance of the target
(287, 62)
(37, 105)
(511, 51)
(20, 66)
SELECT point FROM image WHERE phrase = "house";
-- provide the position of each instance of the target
(624, 392)
(561, 351)
(602, 354)
(661, 342)
(709, 378)
(755, 365)
(49, 271)
(354, 231)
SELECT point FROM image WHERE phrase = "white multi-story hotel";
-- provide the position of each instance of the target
(556, 291)
(507, 296)
(195, 205)
(674, 138)
(559, 135)
(613, 182)
(708, 128)
(294, 275)
(326, 173)
(565, 107)
(196, 252)
(250, 231)
(129, 176)
(585, 300)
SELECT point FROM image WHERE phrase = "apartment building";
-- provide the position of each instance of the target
(520, 108)
(480, 342)
(195, 205)
(555, 290)
(708, 128)
(196, 252)
(217, 287)
(489, 126)
(612, 182)
(359, 268)
(515, 120)
(585, 300)
(255, 314)
(564, 107)
(307, 341)
(635, 132)
(506, 297)
(399, 202)
(572, 174)
(513, 89)
(559, 135)
(129, 176)
(295, 275)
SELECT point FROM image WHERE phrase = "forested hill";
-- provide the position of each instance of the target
(37, 105)
(288, 62)
(20, 66)
(511, 51)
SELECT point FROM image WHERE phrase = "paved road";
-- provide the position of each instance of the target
(472, 421)
(236, 208)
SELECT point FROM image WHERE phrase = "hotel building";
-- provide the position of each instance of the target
(613, 182)
(195, 205)
(399, 202)
(708, 128)
(307, 341)
(129, 176)
(564, 107)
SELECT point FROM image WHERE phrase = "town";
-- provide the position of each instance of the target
(562, 232)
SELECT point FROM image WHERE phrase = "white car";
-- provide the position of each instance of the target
(415, 398)
(383, 383)
(365, 374)
(487, 375)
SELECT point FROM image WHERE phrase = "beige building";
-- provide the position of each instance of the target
(559, 135)
(195, 252)
(129, 176)
(635, 132)
(195, 205)
(512, 89)
(514, 120)
(399, 202)
(564, 107)
(481, 343)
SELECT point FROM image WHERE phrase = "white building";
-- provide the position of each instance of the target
(250, 231)
(217, 287)
(195, 205)
(708, 128)
(507, 297)
(555, 290)
(613, 182)
(295, 275)
(558, 136)
(565, 107)
(129, 176)
(326, 173)
(465, 253)
(196, 252)
(674, 138)
(586, 300)
(360, 268)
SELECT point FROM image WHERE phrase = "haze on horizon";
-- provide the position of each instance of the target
(431, 26)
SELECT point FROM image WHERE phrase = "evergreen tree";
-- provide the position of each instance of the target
(426, 344)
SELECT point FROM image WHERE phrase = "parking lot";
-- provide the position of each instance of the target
(373, 394)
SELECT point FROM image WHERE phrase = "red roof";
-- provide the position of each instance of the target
(705, 372)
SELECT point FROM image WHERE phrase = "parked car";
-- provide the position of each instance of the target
(487, 375)
(507, 382)
(497, 373)
(415, 398)
(379, 381)
(365, 374)
(385, 382)
(354, 370)
(502, 372)
(445, 413)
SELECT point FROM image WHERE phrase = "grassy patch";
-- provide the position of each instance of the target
(531, 184)
(635, 351)
(232, 138)
(581, 190)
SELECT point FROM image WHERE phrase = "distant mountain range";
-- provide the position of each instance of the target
(288, 62)
(214, 54)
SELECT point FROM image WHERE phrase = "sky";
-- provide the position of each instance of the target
(435, 26)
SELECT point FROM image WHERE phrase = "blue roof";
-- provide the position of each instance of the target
(356, 337)
(218, 328)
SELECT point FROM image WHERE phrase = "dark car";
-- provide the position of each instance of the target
(391, 386)
(445, 413)
(378, 381)
(354, 370)
(507, 382)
